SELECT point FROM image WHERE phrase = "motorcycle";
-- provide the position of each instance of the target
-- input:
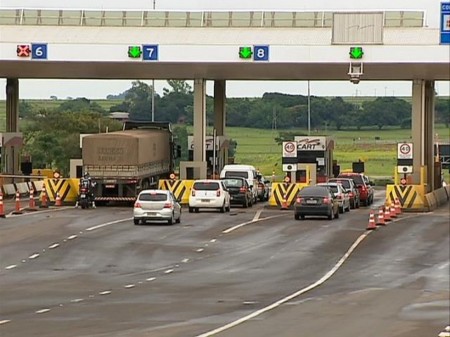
(85, 198)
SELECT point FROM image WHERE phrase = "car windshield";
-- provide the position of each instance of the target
(358, 179)
(242, 174)
(317, 191)
(206, 186)
(229, 182)
(344, 183)
(153, 197)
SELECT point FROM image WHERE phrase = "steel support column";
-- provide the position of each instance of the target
(199, 123)
(423, 96)
(219, 106)
(12, 105)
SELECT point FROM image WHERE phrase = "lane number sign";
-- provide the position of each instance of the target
(150, 52)
(39, 51)
(405, 150)
(261, 53)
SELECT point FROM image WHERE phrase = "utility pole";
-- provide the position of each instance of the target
(153, 83)
(309, 109)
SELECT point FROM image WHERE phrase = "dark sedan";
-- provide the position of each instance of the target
(316, 200)
(240, 191)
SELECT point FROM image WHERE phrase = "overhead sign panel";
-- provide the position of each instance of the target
(445, 22)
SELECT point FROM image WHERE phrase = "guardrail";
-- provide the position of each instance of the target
(157, 18)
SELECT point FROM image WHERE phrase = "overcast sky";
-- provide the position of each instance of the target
(99, 89)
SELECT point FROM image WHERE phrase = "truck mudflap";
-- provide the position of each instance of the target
(115, 198)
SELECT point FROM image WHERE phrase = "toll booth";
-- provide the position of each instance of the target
(308, 159)
(11, 144)
(216, 156)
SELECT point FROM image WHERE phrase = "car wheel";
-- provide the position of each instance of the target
(336, 215)
(197, 210)
(297, 216)
(245, 203)
(341, 209)
(170, 221)
(222, 209)
(357, 204)
(228, 208)
(352, 204)
(191, 209)
(136, 221)
(179, 219)
(330, 215)
(302, 217)
(348, 208)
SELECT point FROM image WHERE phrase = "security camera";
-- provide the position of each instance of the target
(354, 79)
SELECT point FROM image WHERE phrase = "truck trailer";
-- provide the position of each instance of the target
(123, 163)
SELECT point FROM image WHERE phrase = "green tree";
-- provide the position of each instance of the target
(139, 101)
(178, 86)
(442, 108)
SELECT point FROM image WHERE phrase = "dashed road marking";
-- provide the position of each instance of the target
(42, 311)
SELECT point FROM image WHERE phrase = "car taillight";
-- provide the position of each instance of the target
(242, 190)
(299, 200)
(168, 205)
(326, 200)
(137, 205)
(218, 193)
(351, 195)
(339, 196)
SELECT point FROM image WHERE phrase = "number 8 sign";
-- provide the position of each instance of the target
(261, 53)
(39, 51)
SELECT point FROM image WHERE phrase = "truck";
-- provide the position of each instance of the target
(123, 163)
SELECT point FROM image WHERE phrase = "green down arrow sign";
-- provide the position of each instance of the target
(245, 52)
(134, 51)
(356, 52)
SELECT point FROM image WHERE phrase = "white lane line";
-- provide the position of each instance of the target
(185, 260)
(290, 297)
(72, 237)
(53, 246)
(257, 215)
(76, 300)
(443, 266)
(169, 271)
(213, 240)
(42, 311)
(34, 256)
(150, 279)
(129, 286)
(4, 321)
(106, 292)
(199, 250)
(11, 266)
(107, 224)
(229, 230)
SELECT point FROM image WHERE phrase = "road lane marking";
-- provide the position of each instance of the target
(42, 311)
(229, 230)
(290, 297)
(129, 286)
(55, 245)
(257, 215)
(5, 321)
(11, 267)
(107, 224)
(34, 256)
(106, 292)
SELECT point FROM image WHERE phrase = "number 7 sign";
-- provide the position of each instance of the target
(150, 52)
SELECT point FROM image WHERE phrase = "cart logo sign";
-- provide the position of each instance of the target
(289, 149)
(311, 144)
(405, 150)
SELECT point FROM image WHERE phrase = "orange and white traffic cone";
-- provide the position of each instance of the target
(380, 220)
(17, 209)
(32, 204)
(44, 199)
(284, 204)
(387, 213)
(398, 207)
(2, 209)
(392, 210)
(58, 201)
(371, 224)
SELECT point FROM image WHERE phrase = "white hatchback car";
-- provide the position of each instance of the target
(341, 194)
(209, 193)
(156, 205)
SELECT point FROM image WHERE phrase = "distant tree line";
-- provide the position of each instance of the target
(52, 135)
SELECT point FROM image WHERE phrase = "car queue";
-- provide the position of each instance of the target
(236, 188)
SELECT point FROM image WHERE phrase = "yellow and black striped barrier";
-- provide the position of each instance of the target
(67, 188)
(410, 196)
(179, 188)
(281, 191)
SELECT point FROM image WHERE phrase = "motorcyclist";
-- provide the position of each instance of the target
(87, 183)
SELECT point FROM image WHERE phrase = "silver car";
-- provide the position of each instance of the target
(156, 205)
(341, 194)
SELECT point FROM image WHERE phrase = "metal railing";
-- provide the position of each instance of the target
(155, 18)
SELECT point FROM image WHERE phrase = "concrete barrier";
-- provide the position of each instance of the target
(22, 188)
(9, 190)
(430, 201)
(441, 196)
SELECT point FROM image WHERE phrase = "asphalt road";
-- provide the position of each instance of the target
(252, 272)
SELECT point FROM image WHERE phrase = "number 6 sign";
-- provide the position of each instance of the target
(39, 51)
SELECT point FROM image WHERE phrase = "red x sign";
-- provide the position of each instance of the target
(23, 50)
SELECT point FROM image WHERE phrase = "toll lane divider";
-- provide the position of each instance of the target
(180, 188)
(67, 188)
(280, 191)
(414, 198)
(22, 188)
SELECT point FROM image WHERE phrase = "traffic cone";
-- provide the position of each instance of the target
(32, 204)
(44, 200)
(58, 201)
(17, 210)
(392, 210)
(284, 204)
(2, 210)
(387, 213)
(371, 224)
(380, 220)
(398, 207)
